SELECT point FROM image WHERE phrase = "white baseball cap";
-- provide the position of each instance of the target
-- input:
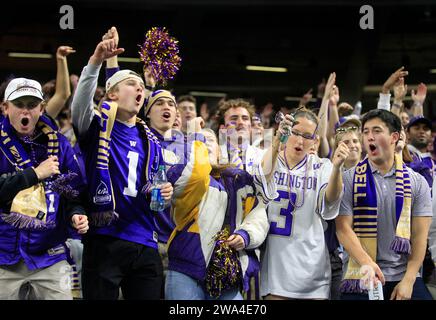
(22, 87)
(121, 75)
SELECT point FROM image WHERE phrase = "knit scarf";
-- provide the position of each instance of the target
(29, 206)
(365, 218)
(100, 185)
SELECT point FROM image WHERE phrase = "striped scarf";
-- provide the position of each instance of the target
(29, 206)
(236, 157)
(100, 185)
(365, 217)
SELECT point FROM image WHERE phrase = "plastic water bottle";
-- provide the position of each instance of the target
(157, 202)
(285, 130)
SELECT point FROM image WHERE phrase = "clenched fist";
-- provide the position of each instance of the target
(47, 168)
(341, 154)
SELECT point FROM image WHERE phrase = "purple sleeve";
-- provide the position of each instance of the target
(70, 163)
(191, 138)
(176, 171)
(244, 234)
(421, 168)
(111, 71)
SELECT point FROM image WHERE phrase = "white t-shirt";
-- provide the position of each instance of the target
(295, 263)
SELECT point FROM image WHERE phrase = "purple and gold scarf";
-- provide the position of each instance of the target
(365, 218)
(100, 185)
(29, 206)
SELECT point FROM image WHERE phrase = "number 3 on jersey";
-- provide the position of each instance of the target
(286, 209)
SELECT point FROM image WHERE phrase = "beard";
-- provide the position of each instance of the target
(419, 143)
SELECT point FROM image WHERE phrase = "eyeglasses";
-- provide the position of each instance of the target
(307, 136)
(346, 129)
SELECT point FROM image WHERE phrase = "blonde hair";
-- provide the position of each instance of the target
(340, 135)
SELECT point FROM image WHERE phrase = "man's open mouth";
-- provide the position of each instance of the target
(25, 121)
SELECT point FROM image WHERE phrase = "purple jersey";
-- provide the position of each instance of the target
(129, 158)
(39, 248)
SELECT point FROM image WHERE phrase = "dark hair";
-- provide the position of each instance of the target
(392, 121)
(303, 112)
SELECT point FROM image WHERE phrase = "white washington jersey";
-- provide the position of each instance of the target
(296, 263)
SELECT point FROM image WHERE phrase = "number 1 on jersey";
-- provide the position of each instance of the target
(130, 190)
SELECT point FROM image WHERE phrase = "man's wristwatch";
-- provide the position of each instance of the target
(149, 87)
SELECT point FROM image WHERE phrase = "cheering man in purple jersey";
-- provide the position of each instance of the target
(121, 157)
(39, 184)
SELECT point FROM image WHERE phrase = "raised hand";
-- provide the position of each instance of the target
(286, 123)
(400, 90)
(105, 49)
(393, 78)
(148, 76)
(421, 93)
(401, 142)
(329, 86)
(334, 96)
(112, 33)
(341, 154)
(63, 51)
(195, 125)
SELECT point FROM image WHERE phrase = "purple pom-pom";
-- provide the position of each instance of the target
(160, 52)
(61, 185)
(224, 270)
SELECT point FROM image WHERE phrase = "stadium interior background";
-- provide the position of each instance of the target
(218, 39)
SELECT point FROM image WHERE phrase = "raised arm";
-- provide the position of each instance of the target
(333, 112)
(400, 91)
(324, 146)
(418, 100)
(334, 187)
(63, 89)
(385, 96)
(112, 33)
(190, 181)
(82, 107)
(269, 159)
